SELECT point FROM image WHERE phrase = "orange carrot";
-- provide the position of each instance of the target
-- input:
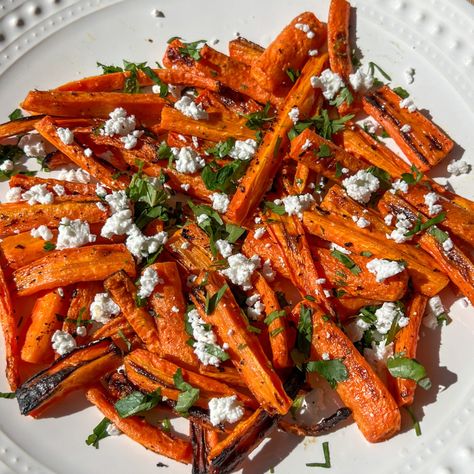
(245, 51)
(338, 38)
(26, 182)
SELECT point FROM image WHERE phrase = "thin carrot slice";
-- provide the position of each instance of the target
(338, 38)
(245, 51)
(69, 266)
(425, 145)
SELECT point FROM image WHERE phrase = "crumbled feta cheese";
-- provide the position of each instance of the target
(329, 82)
(325, 356)
(430, 200)
(119, 123)
(203, 338)
(305, 28)
(306, 144)
(259, 232)
(175, 309)
(103, 308)
(38, 194)
(63, 342)
(100, 191)
(225, 409)
(13, 194)
(296, 204)
(459, 167)
(361, 185)
(117, 201)
(399, 185)
(220, 202)
(402, 226)
(258, 220)
(408, 104)
(294, 114)
(118, 223)
(255, 307)
(379, 353)
(148, 280)
(189, 108)
(130, 141)
(141, 246)
(202, 218)
(59, 190)
(185, 187)
(409, 74)
(327, 293)
(187, 160)
(75, 175)
(386, 315)
(240, 269)
(41, 232)
(405, 128)
(388, 219)
(81, 331)
(65, 135)
(361, 81)
(361, 222)
(7, 165)
(224, 247)
(190, 280)
(312, 52)
(112, 430)
(32, 145)
(435, 307)
(243, 149)
(354, 331)
(60, 292)
(341, 249)
(267, 270)
(370, 125)
(88, 152)
(383, 268)
(185, 245)
(73, 233)
(321, 281)
(448, 245)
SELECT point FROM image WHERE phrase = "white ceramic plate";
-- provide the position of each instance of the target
(47, 42)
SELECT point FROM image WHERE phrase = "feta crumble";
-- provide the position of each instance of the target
(112, 430)
(185, 187)
(297, 204)
(267, 270)
(41, 232)
(294, 114)
(81, 331)
(38, 194)
(402, 226)
(361, 185)
(189, 108)
(305, 28)
(130, 141)
(329, 82)
(388, 219)
(103, 308)
(405, 128)
(259, 232)
(240, 269)
(448, 245)
(386, 315)
(225, 409)
(59, 190)
(88, 152)
(255, 307)
(65, 135)
(13, 194)
(243, 149)
(307, 144)
(7, 165)
(430, 200)
(224, 248)
(361, 222)
(117, 201)
(119, 223)
(341, 249)
(379, 353)
(371, 125)
(399, 185)
(220, 202)
(141, 246)
(148, 280)
(32, 145)
(313, 52)
(187, 160)
(361, 81)
(408, 104)
(63, 342)
(73, 233)
(383, 268)
(459, 167)
(409, 74)
(75, 175)
(434, 309)
(119, 123)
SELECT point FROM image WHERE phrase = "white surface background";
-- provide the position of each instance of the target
(44, 43)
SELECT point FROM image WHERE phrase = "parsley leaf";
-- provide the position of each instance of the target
(304, 330)
(192, 50)
(256, 120)
(276, 208)
(109, 69)
(405, 368)
(296, 406)
(12, 153)
(421, 226)
(98, 433)
(344, 95)
(223, 178)
(334, 371)
(346, 261)
(48, 246)
(401, 92)
(188, 396)
(15, 115)
(122, 336)
(414, 178)
(325, 126)
(137, 402)
(274, 315)
(416, 423)
(373, 67)
(213, 301)
(438, 234)
(148, 71)
(222, 149)
(293, 74)
(7, 395)
(324, 151)
(327, 458)
(216, 351)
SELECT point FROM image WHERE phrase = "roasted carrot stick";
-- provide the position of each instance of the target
(244, 348)
(123, 292)
(69, 266)
(45, 320)
(168, 302)
(425, 145)
(21, 217)
(146, 107)
(103, 173)
(338, 38)
(265, 164)
(373, 408)
(289, 50)
(9, 328)
(245, 51)
(136, 428)
(26, 182)
(112, 328)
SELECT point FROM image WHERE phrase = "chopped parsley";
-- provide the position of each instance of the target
(334, 371)
(346, 261)
(98, 433)
(16, 115)
(403, 367)
(213, 301)
(327, 458)
(137, 402)
(401, 92)
(7, 395)
(420, 226)
(222, 149)
(325, 126)
(223, 178)
(293, 74)
(188, 396)
(256, 120)
(344, 96)
(414, 177)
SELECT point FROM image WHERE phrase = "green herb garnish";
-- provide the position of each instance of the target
(405, 368)
(334, 371)
(188, 396)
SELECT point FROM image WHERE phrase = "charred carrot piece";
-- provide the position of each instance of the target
(9, 328)
(103, 173)
(244, 347)
(69, 266)
(425, 145)
(45, 320)
(338, 38)
(373, 408)
(26, 182)
(406, 342)
(146, 107)
(112, 328)
(350, 305)
(333, 228)
(264, 166)
(168, 302)
(245, 51)
(289, 50)
(123, 292)
(136, 428)
(21, 217)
